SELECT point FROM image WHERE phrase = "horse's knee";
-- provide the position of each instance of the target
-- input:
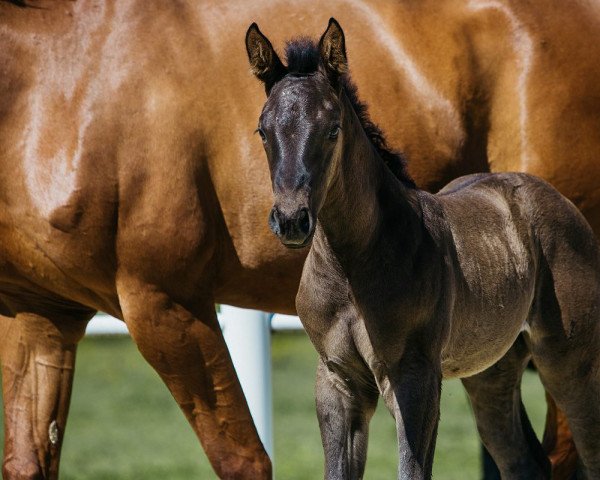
(245, 468)
(19, 469)
(167, 333)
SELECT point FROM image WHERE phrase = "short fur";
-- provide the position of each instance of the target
(303, 58)
(402, 287)
(166, 192)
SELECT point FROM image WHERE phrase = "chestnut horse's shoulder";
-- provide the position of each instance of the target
(100, 134)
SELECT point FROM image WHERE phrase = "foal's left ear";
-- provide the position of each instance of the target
(333, 49)
(263, 59)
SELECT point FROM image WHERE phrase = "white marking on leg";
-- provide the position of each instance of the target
(53, 432)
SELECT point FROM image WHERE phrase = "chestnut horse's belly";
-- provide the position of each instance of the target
(58, 224)
(56, 275)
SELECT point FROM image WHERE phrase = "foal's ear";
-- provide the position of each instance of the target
(333, 50)
(264, 61)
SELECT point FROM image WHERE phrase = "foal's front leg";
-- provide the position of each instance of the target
(412, 394)
(344, 409)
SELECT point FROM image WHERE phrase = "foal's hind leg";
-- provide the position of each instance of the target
(344, 409)
(38, 359)
(557, 443)
(501, 419)
(565, 344)
(574, 383)
(570, 371)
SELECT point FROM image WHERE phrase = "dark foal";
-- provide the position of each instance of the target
(402, 288)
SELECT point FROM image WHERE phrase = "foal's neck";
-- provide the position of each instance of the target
(365, 199)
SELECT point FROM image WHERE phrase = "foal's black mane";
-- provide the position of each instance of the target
(303, 58)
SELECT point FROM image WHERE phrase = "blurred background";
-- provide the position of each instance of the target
(123, 423)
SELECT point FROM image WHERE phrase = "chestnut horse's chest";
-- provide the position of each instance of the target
(57, 224)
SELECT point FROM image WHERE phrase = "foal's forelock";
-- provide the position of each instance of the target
(303, 59)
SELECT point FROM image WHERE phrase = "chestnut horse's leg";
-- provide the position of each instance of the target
(501, 418)
(186, 348)
(38, 360)
(558, 442)
(413, 398)
(344, 409)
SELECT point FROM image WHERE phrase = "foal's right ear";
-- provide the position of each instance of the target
(333, 50)
(264, 61)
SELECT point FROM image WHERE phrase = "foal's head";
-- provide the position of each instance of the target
(300, 125)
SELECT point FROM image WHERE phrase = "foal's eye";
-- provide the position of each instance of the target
(261, 132)
(334, 132)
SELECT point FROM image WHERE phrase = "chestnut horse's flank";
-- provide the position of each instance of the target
(402, 287)
(130, 181)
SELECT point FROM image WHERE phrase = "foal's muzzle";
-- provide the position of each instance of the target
(295, 229)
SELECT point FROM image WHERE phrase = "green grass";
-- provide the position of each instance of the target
(125, 425)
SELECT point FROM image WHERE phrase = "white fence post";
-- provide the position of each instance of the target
(248, 336)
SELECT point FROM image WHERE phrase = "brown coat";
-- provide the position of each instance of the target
(131, 181)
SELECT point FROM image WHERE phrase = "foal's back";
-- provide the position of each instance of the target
(514, 235)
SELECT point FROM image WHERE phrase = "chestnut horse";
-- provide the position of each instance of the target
(131, 182)
(402, 287)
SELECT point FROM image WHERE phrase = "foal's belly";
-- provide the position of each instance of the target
(480, 337)
(494, 273)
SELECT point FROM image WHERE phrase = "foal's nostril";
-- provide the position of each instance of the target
(274, 222)
(304, 221)
(292, 230)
